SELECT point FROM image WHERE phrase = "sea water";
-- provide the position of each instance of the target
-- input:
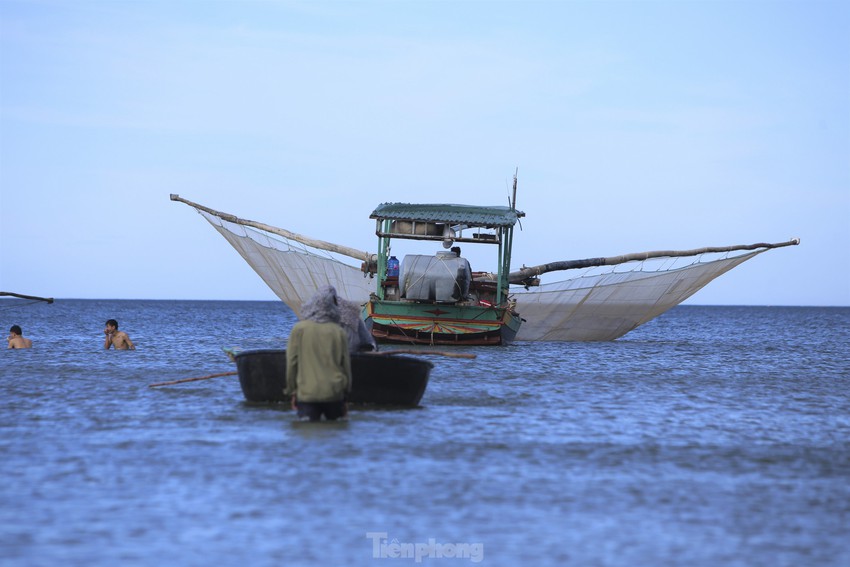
(709, 436)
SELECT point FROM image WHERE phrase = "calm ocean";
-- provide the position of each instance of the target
(710, 436)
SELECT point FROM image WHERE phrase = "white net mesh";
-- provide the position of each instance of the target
(589, 307)
(602, 307)
(291, 270)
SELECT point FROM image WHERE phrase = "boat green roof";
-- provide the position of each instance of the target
(472, 215)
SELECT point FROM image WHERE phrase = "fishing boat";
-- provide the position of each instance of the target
(381, 378)
(437, 298)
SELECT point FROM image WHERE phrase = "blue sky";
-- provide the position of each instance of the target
(635, 126)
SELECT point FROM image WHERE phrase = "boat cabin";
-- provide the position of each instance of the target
(407, 289)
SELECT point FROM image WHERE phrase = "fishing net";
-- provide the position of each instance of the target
(604, 306)
(11, 300)
(292, 270)
(8, 304)
(588, 307)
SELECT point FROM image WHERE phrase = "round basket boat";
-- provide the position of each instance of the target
(376, 378)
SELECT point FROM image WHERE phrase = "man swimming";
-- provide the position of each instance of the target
(119, 339)
(16, 338)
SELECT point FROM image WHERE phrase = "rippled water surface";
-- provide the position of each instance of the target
(710, 436)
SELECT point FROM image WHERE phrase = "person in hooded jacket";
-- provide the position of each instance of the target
(318, 364)
(359, 337)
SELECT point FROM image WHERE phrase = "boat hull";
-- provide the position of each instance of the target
(404, 322)
(382, 379)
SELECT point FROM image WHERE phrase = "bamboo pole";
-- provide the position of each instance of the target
(320, 244)
(22, 296)
(182, 380)
(524, 274)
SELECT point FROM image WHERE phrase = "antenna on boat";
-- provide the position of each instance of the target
(513, 199)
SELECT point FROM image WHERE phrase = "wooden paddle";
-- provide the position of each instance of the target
(381, 353)
(207, 377)
(432, 352)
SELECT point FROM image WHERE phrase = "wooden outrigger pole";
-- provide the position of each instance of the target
(527, 275)
(22, 296)
(319, 244)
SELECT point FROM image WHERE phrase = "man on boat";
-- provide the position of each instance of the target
(119, 339)
(318, 364)
(16, 338)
